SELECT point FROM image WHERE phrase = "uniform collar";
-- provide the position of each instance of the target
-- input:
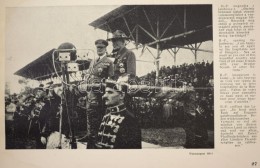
(101, 57)
(116, 109)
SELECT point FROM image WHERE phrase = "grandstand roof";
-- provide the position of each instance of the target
(167, 25)
(178, 25)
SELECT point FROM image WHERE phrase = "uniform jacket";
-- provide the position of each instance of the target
(125, 59)
(51, 116)
(119, 129)
(100, 69)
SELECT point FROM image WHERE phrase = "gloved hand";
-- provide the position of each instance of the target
(82, 88)
(43, 140)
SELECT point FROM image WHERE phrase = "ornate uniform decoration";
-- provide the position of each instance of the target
(119, 130)
(100, 70)
(124, 62)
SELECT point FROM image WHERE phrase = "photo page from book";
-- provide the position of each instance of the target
(162, 84)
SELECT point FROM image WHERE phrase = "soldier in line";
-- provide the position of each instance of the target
(52, 115)
(119, 128)
(37, 117)
(100, 68)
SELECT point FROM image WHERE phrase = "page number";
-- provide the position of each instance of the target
(254, 163)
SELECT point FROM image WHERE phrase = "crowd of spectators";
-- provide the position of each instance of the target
(169, 112)
(197, 74)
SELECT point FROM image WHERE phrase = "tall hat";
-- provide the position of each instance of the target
(118, 34)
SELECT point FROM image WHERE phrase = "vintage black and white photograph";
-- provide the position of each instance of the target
(109, 77)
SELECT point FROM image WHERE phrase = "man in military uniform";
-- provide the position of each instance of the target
(125, 61)
(195, 122)
(201, 133)
(38, 115)
(119, 128)
(52, 114)
(100, 68)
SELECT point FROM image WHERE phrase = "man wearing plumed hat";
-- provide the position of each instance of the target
(100, 68)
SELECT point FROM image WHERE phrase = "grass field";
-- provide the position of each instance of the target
(169, 137)
(164, 137)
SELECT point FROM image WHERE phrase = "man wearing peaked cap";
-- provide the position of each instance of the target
(119, 128)
(101, 42)
(39, 91)
(100, 68)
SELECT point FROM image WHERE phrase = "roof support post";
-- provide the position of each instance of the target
(151, 52)
(196, 49)
(109, 30)
(143, 50)
(168, 26)
(150, 24)
(173, 56)
(134, 29)
(157, 63)
(185, 19)
(178, 18)
(136, 37)
(195, 53)
(175, 51)
(192, 48)
(128, 28)
(147, 32)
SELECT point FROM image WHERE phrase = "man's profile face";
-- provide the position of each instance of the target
(112, 97)
(118, 43)
(101, 50)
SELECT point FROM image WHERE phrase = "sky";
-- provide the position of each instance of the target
(32, 31)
